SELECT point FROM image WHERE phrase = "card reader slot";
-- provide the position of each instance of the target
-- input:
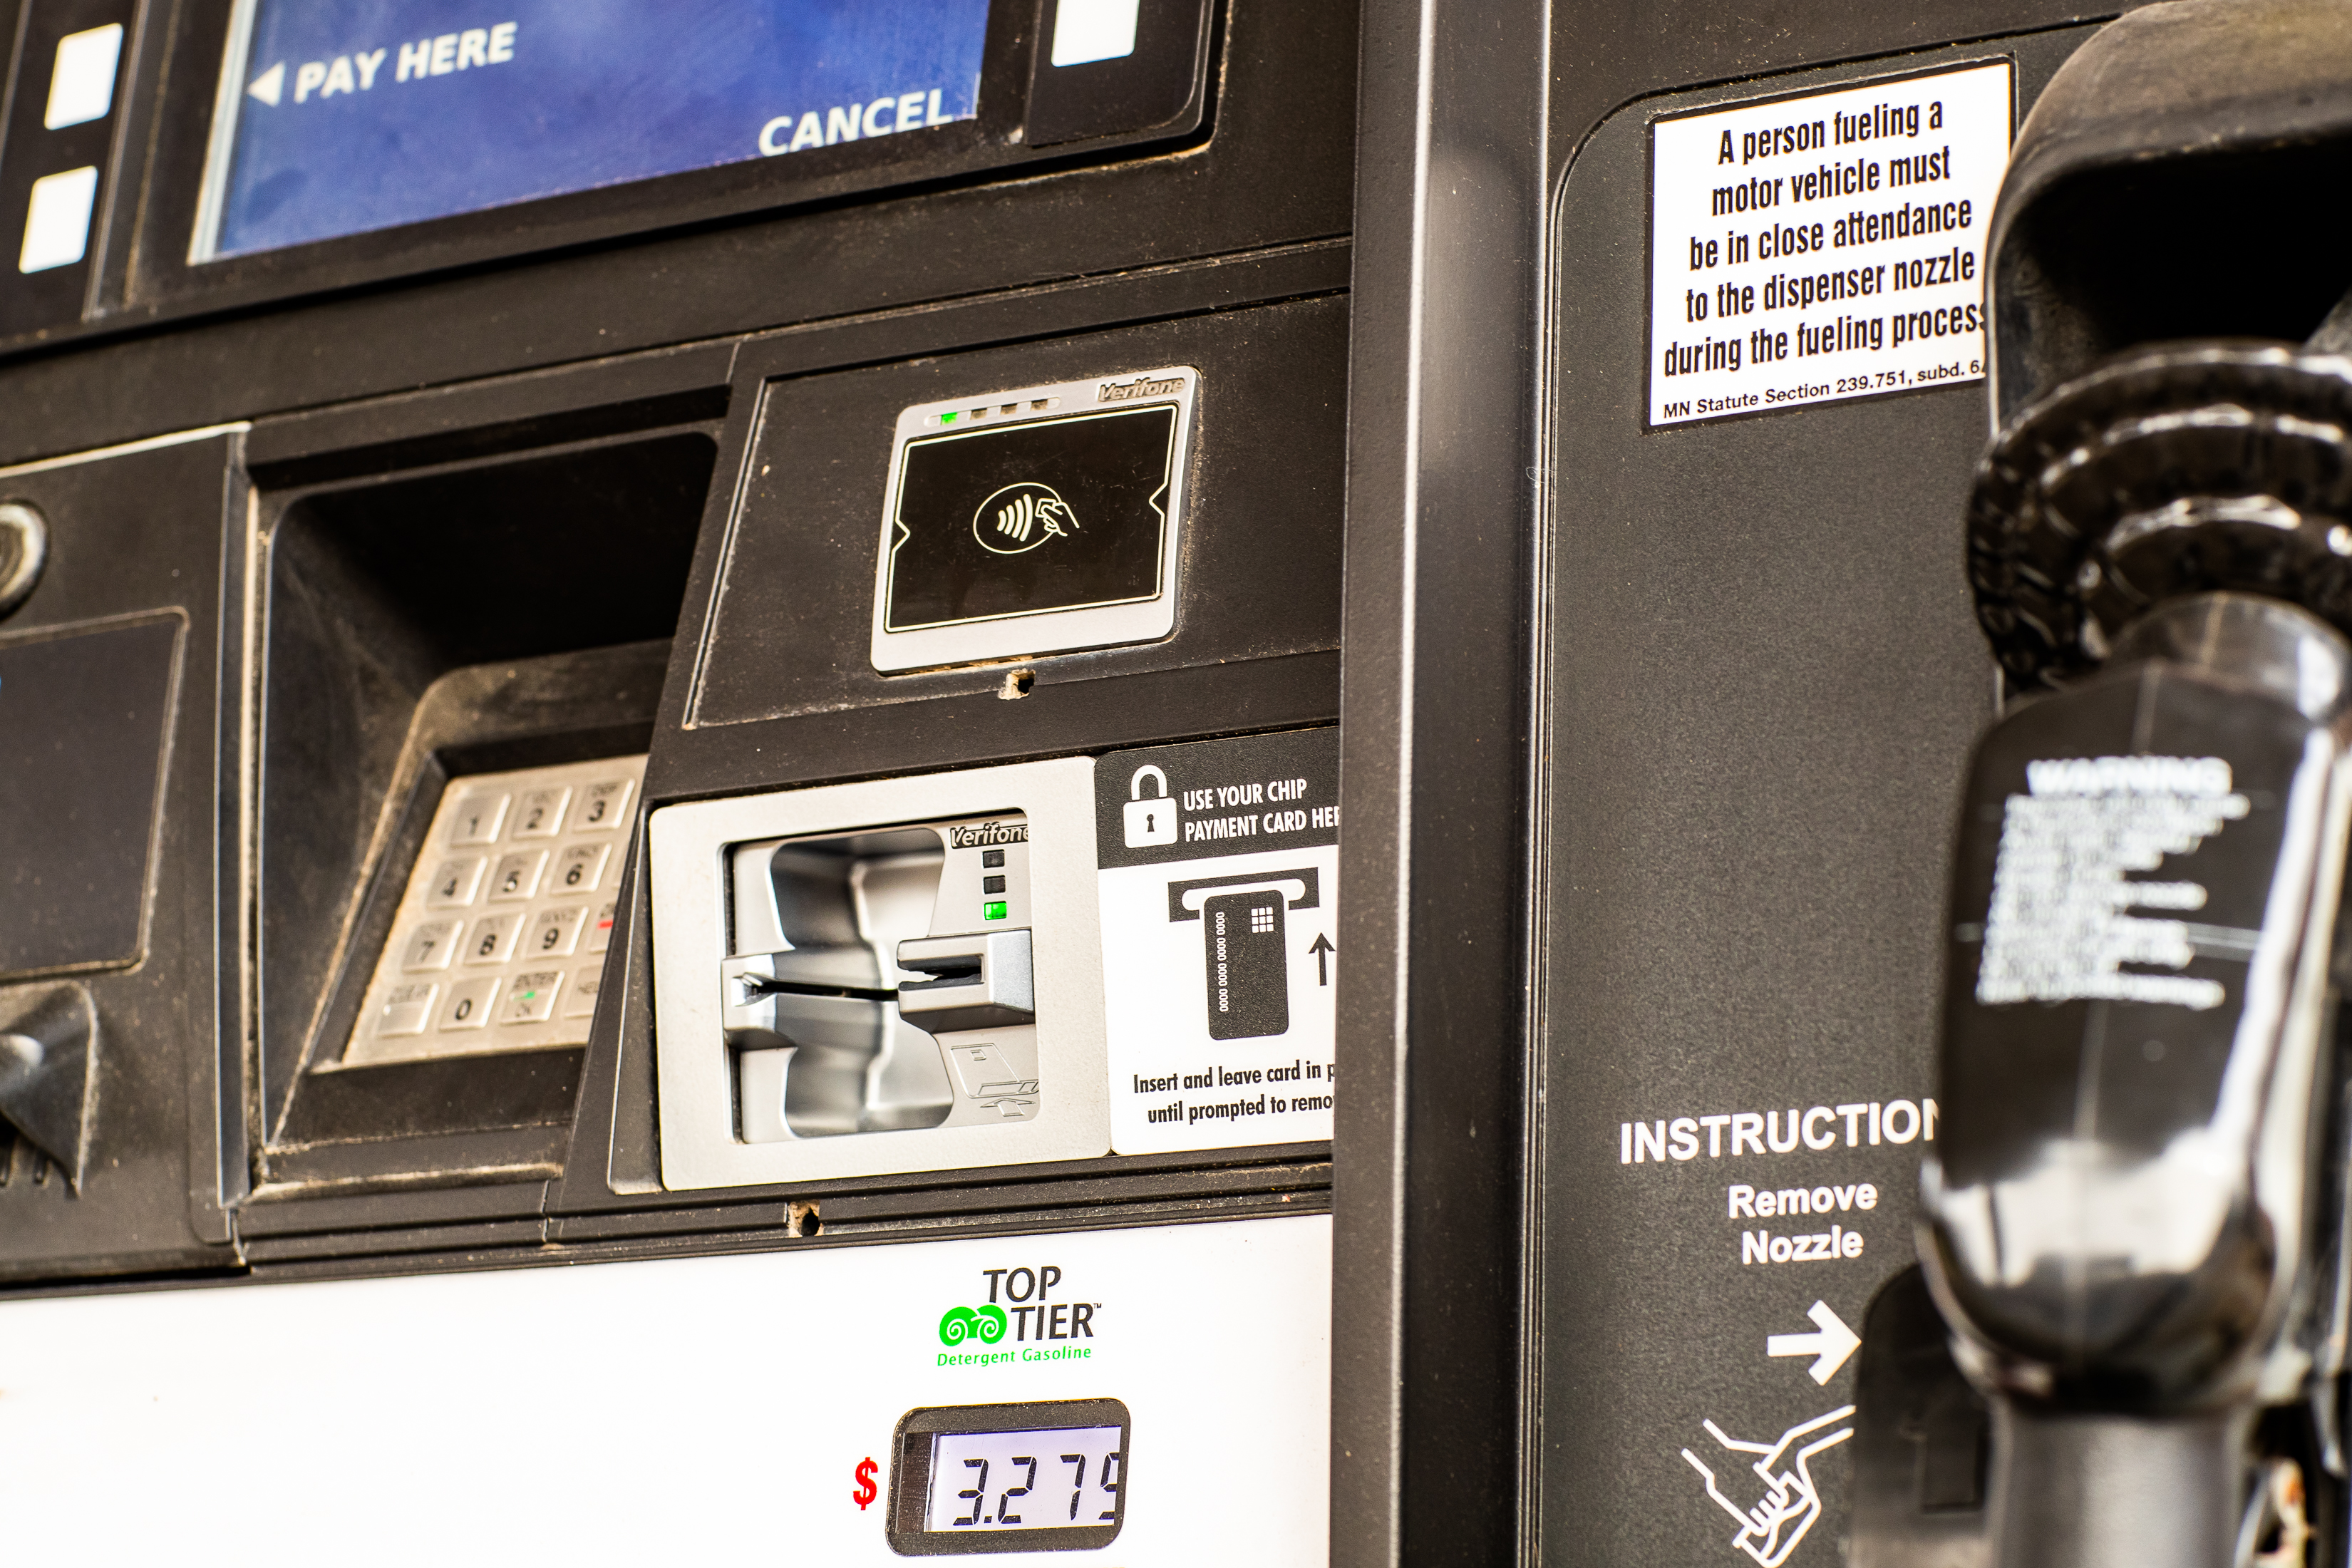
(980, 981)
(810, 1004)
(758, 985)
(842, 1010)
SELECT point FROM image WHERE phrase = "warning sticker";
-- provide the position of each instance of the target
(2056, 929)
(1219, 885)
(1813, 249)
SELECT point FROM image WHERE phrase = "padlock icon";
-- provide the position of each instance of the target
(1150, 819)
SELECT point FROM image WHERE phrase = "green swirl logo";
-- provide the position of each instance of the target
(985, 1324)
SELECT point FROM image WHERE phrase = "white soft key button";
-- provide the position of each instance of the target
(493, 941)
(531, 998)
(580, 867)
(556, 932)
(515, 876)
(602, 805)
(582, 1001)
(405, 1011)
(470, 1004)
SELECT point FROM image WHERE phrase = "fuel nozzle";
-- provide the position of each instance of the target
(2131, 1218)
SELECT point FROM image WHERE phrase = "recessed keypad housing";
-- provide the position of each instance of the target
(501, 935)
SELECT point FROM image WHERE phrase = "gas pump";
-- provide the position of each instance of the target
(584, 595)
(2133, 1216)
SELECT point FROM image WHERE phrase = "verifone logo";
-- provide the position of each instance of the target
(1117, 392)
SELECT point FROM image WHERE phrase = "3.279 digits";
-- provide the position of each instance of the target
(1005, 1516)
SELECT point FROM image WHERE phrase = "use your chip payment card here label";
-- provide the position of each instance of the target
(1219, 887)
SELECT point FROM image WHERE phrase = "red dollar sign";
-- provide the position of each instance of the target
(866, 1492)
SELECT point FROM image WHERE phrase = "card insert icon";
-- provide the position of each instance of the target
(1245, 942)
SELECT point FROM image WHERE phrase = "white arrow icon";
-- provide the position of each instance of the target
(1829, 1348)
(269, 84)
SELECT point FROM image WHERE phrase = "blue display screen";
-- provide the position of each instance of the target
(354, 115)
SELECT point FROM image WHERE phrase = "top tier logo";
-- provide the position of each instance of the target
(1020, 1299)
(1127, 392)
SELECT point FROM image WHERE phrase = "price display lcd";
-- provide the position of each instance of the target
(341, 117)
(1051, 1478)
(1042, 1477)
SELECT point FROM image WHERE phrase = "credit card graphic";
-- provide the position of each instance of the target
(1247, 942)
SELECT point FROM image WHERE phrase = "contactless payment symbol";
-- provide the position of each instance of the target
(1074, 493)
(1020, 518)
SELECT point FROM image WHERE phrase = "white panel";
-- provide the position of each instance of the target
(57, 220)
(1088, 30)
(81, 88)
(709, 1409)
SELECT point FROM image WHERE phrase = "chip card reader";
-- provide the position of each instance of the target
(979, 981)
(855, 1017)
(896, 974)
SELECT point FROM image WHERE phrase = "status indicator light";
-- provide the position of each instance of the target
(991, 911)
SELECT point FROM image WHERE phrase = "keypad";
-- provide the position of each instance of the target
(499, 939)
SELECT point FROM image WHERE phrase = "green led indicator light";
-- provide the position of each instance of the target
(947, 418)
(991, 911)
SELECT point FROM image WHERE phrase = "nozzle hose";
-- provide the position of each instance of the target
(2116, 1491)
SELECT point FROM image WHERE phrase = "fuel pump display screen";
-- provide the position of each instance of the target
(1023, 1481)
(1041, 1477)
(339, 117)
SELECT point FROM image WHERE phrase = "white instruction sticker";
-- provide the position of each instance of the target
(1816, 248)
(1219, 883)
